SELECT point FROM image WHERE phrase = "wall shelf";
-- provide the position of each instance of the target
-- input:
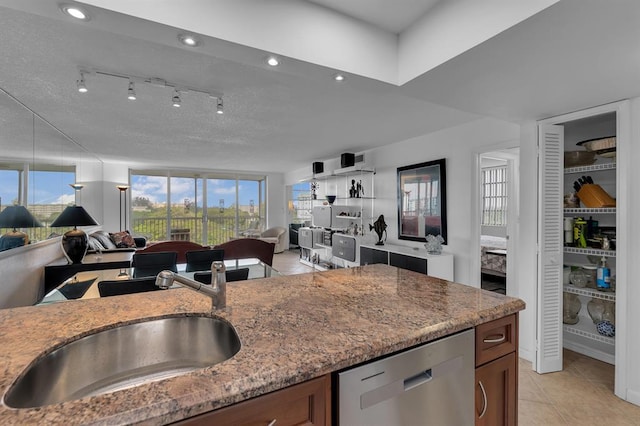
(589, 292)
(591, 168)
(585, 210)
(586, 328)
(592, 251)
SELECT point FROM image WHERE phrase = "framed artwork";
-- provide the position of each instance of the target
(422, 201)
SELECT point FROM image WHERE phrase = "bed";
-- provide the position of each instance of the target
(493, 255)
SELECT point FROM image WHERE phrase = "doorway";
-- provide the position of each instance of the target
(496, 218)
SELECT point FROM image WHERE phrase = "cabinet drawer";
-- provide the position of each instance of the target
(370, 256)
(411, 263)
(303, 404)
(344, 247)
(496, 338)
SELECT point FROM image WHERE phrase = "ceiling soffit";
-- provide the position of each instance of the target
(316, 34)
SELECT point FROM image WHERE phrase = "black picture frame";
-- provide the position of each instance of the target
(422, 193)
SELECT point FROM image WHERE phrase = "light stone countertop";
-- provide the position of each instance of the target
(292, 329)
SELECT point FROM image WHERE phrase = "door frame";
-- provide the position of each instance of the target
(512, 212)
(623, 224)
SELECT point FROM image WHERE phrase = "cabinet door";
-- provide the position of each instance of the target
(370, 256)
(411, 263)
(307, 403)
(497, 392)
(550, 237)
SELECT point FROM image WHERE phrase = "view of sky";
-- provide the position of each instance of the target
(53, 188)
(154, 188)
(44, 187)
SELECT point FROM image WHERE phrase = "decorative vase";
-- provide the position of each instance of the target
(570, 307)
(595, 307)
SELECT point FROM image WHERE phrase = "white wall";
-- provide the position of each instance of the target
(457, 146)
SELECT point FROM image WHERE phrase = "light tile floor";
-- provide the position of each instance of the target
(581, 394)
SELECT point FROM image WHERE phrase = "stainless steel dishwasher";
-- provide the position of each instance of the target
(431, 384)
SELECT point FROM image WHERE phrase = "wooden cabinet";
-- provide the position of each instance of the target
(307, 403)
(496, 385)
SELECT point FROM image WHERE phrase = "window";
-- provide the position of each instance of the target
(17, 186)
(300, 202)
(205, 208)
(494, 196)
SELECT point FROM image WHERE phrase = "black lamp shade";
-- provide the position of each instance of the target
(74, 216)
(18, 217)
(74, 242)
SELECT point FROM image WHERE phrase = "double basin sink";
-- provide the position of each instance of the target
(123, 357)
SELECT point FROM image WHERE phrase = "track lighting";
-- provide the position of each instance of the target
(131, 93)
(82, 87)
(133, 80)
(273, 61)
(176, 99)
(338, 77)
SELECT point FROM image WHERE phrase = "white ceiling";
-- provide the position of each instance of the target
(575, 54)
(393, 16)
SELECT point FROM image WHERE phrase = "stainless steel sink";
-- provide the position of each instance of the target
(124, 357)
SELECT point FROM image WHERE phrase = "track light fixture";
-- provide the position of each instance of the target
(178, 89)
(82, 87)
(131, 92)
(176, 99)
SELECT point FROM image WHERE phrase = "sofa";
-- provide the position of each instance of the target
(119, 241)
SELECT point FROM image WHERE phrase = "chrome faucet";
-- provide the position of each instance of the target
(217, 291)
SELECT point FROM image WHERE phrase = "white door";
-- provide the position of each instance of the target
(549, 322)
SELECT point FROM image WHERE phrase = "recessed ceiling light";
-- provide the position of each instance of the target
(338, 77)
(273, 61)
(74, 11)
(189, 40)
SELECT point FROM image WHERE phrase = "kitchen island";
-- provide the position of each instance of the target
(292, 329)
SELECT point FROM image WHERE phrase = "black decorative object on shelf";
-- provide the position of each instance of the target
(380, 226)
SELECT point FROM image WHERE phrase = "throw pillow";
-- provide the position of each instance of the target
(105, 239)
(123, 239)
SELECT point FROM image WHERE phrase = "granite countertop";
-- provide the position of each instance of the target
(292, 328)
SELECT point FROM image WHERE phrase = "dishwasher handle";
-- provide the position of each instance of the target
(398, 387)
(417, 380)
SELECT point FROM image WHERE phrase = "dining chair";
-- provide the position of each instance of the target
(246, 248)
(150, 264)
(240, 274)
(200, 260)
(134, 285)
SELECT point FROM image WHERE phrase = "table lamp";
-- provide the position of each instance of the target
(18, 217)
(75, 241)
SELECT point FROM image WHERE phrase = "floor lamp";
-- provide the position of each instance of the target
(123, 195)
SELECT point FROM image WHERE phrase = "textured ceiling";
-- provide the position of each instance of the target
(274, 121)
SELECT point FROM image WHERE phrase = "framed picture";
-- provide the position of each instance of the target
(422, 201)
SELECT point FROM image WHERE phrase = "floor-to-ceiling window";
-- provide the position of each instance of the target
(206, 208)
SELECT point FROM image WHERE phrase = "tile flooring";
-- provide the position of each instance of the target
(581, 394)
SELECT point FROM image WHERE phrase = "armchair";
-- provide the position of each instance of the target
(275, 235)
